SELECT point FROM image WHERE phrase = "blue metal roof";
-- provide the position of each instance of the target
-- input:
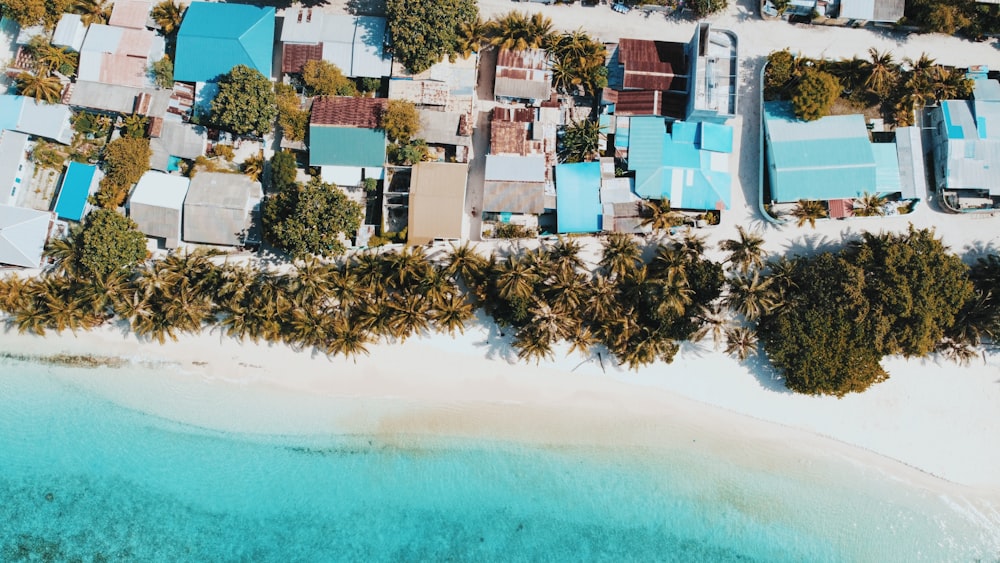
(10, 111)
(829, 158)
(346, 146)
(215, 37)
(678, 166)
(578, 197)
(886, 168)
(72, 200)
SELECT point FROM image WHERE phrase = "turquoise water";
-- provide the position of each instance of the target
(85, 479)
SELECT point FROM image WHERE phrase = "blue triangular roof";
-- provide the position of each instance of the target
(215, 37)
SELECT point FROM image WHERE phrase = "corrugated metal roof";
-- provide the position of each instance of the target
(13, 152)
(443, 127)
(118, 98)
(354, 43)
(183, 140)
(437, 201)
(41, 119)
(161, 190)
(578, 197)
(523, 75)
(972, 157)
(346, 146)
(295, 55)
(70, 32)
(347, 111)
(654, 65)
(886, 168)
(420, 92)
(912, 174)
(514, 197)
(505, 168)
(23, 233)
(234, 34)
(217, 207)
(130, 13)
(78, 183)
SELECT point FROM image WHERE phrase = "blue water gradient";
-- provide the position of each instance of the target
(85, 479)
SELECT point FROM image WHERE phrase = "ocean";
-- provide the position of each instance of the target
(84, 478)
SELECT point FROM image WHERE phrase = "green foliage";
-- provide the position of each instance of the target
(30, 12)
(168, 16)
(323, 78)
(425, 31)
(367, 84)
(702, 8)
(512, 230)
(163, 72)
(294, 120)
(224, 152)
(41, 87)
(400, 121)
(579, 62)
(518, 31)
(780, 71)
(408, 154)
(311, 219)
(371, 185)
(283, 171)
(245, 103)
(581, 141)
(92, 125)
(814, 94)
(126, 159)
(110, 242)
(135, 125)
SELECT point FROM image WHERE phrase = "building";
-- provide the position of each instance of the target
(79, 183)
(346, 140)
(23, 233)
(437, 201)
(966, 148)
(14, 150)
(174, 140)
(157, 205)
(356, 44)
(687, 163)
(119, 56)
(132, 14)
(70, 32)
(515, 184)
(116, 98)
(219, 208)
(885, 11)
(578, 197)
(215, 37)
(39, 119)
(523, 75)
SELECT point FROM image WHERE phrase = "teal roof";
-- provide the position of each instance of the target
(886, 168)
(578, 197)
(346, 146)
(215, 37)
(829, 158)
(10, 111)
(72, 200)
(688, 166)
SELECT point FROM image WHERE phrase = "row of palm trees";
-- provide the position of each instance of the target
(639, 301)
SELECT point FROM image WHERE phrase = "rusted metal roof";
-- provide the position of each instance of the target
(342, 111)
(508, 137)
(651, 102)
(653, 65)
(523, 75)
(520, 115)
(294, 56)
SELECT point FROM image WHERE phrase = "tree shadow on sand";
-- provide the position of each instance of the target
(765, 373)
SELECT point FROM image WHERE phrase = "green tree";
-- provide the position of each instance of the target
(702, 8)
(92, 11)
(168, 15)
(814, 94)
(134, 125)
(780, 71)
(581, 141)
(163, 72)
(882, 72)
(110, 243)
(41, 87)
(311, 219)
(745, 252)
(323, 78)
(808, 211)
(126, 159)
(293, 120)
(56, 59)
(283, 171)
(518, 31)
(400, 121)
(245, 103)
(425, 31)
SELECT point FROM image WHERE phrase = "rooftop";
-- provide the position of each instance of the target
(354, 43)
(578, 197)
(130, 13)
(234, 34)
(70, 32)
(160, 190)
(77, 185)
(12, 154)
(345, 111)
(23, 233)
(888, 11)
(346, 146)
(116, 55)
(218, 207)
(523, 75)
(437, 201)
(654, 65)
(51, 121)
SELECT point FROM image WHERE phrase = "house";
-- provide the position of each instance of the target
(79, 183)
(356, 44)
(157, 205)
(173, 140)
(119, 56)
(70, 32)
(523, 75)
(215, 37)
(132, 14)
(14, 148)
(886, 11)
(966, 148)
(23, 233)
(687, 163)
(437, 201)
(448, 131)
(515, 184)
(346, 140)
(219, 208)
(51, 121)
(147, 101)
(578, 197)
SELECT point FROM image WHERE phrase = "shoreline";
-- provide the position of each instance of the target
(213, 382)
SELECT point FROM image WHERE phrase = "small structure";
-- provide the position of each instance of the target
(356, 44)
(130, 13)
(175, 140)
(437, 201)
(884, 11)
(116, 98)
(157, 205)
(215, 37)
(119, 56)
(346, 140)
(685, 162)
(80, 181)
(70, 32)
(578, 197)
(51, 121)
(523, 75)
(514, 184)
(23, 233)
(219, 207)
(13, 160)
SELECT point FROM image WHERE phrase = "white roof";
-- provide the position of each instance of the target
(504, 168)
(51, 121)
(22, 235)
(70, 32)
(12, 154)
(160, 190)
(353, 43)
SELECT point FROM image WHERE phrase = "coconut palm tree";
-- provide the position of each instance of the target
(466, 265)
(808, 211)
(741, 342)
(408, 315)
(883, 72)
(134, 126)
(671, 261)
(565, 253)
(533, 344)
(620, 255)
(515, 279)
(713, 319)
(347, 339)
(56, 59)
(92, 11)
(565, 290)
(406, 268)
(344, 287)
(473, 36)
(852, 73)
(751, 296)
(746, 251)
(517, 31)
(581, 143)
(870, 205)
(168, 16)
(253, 166)
(692, 245)
(659, 216)
(64, 254)
(451, 313)
(675, 296)
(41, 87)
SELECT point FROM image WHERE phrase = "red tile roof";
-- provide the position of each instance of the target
(348, 112)
(653, 65)
(295, 55)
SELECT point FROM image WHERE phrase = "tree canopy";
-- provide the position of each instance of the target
(425, 31)
(126, 159)
(110, 242)
(31, 12)
(310, 219)
(323, 78)
(814, 95)
(294, 120)
(245, 103)
(401, 121)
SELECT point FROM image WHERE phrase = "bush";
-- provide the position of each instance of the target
(815, 94)
(323, 78)
(110, 243)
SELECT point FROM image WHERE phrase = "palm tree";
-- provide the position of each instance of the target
(517, 31)
(852, 73)
(692, 245)
(56, 59)
(713, 320)
(883, 72)
(566, 254)
(533, 344)
(620, 255)
(344, 287)
(751, 296)
(134, 125)
(168, 16)
(451, 313)
(312, 284)
(671, 261)
(581, 143)
(92, 11)
(746, 251)
(870, 205)
(659, 216)
(408, 315)
(41, 87)
(515, 279)
(253, 166)
(741, 342)
(808, 210)
(675, 296)
(465, 264)
(347, 339)
(565, 290)
(64, 254)
(472, 36)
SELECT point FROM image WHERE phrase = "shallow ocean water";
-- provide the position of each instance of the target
(83, 478)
